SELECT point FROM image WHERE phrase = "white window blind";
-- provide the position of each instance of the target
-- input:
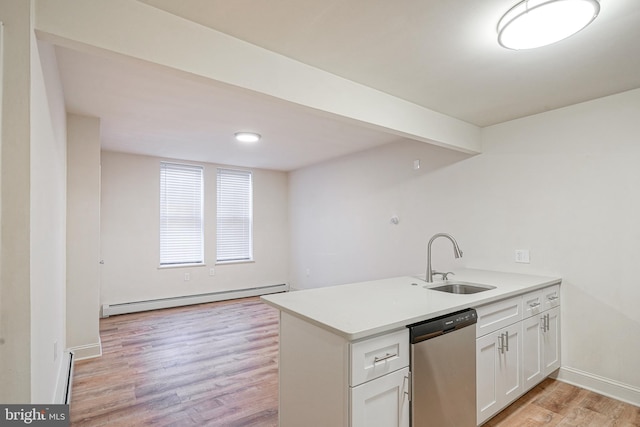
(234, 219)
(181, 235)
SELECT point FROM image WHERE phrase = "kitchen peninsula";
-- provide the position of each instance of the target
(344, 350)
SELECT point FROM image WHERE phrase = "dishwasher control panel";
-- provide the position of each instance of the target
(441, 325)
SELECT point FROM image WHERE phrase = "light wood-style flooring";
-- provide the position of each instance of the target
(554, 403)
(206, 365)
(216, 365)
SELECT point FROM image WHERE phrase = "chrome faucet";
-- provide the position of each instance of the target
(456, 252)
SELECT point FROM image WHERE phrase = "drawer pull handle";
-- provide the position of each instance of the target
(384, 358)
(553, 297)
(534, 304)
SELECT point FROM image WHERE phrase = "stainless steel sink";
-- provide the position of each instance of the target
(462, 288)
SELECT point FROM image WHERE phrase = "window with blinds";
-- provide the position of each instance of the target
(234, 216)
(181, 220)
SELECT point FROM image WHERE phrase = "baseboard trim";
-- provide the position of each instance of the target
(136, 306)
(601, 385)
(88, 351)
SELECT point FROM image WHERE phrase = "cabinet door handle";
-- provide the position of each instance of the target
(503, 345)
(545, 323)
(547, 320)
(409, 385)
(384, 358)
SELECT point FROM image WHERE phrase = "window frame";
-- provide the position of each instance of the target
(247, 245)
(167, 260)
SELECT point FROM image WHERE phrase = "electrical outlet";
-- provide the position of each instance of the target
(212, 272)
(522, 256)
(187, 277)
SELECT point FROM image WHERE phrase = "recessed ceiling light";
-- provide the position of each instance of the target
(535, 23)
(247, 136)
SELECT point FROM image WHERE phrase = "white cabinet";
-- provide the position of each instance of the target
(499, 314)
(498, 356)
(380, 381)
(383, 402)
(498, 370)
(532, 365)
(512, 359)
(541, 337)
(551, 342)
(327, 380)
(378, 356)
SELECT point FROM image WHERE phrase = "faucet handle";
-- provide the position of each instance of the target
(443, 275)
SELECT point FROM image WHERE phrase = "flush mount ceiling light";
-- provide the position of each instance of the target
(534, 23)
(247, 136)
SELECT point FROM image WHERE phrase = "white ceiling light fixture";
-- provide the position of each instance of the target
(535, 23)
(247, 136)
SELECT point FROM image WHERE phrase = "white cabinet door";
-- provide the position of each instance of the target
(383, 402)
(532, 341)
(551, 341)
(498, 370)
(509, 363)
(487, 399)
(541, 346)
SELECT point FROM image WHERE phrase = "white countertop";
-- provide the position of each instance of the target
(359, 310)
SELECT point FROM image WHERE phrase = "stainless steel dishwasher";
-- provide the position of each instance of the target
(443, 370)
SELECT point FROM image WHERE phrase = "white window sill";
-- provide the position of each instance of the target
(162, 267)
(241, 261)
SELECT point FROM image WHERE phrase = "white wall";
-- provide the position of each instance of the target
(15, 315)
(33, 210)
(83, 235)
(562, 184)
(48, 213)
(341, 210)
(130, 224)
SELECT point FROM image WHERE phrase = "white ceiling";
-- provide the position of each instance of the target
(149, 110)
(440, 54)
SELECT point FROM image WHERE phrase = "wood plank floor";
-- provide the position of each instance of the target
(554, 403)
(212, 364)
(216, 365)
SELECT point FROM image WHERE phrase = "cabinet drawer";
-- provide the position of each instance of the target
(551, 297)
(541, 300)
(532, 303)
(374, 357)
(494, 316)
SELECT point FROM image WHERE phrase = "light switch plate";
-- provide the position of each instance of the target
(522, 256)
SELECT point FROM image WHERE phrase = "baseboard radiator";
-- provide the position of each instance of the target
(136, 306)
